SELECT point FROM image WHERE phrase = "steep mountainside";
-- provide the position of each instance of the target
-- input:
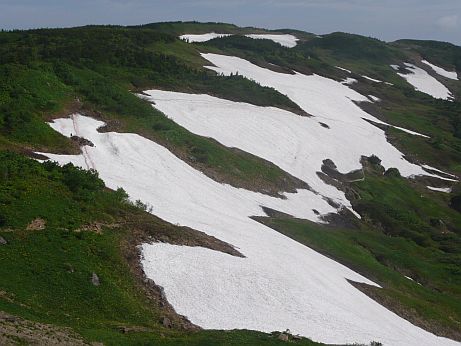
(210, 178)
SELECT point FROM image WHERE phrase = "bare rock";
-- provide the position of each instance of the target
(283, 337)
(36, 225)
(166, 322)
(95, 279)
(3, 241)
(82, 141)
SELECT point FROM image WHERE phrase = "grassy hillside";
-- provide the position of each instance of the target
(47, 269)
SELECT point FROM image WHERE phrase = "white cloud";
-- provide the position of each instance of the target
(448, 22)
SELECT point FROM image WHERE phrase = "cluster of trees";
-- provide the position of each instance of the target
(112, 45)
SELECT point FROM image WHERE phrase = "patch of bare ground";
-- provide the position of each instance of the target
(407, 313)
(284, 183)
(18, 331)
(70, 107)
(37, 224)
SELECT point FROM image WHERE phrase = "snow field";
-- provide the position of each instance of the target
(372, 79)
(441, 71)
(440, 189)
(424, 82)
(285, 40)
(201, 37)
(279, 284)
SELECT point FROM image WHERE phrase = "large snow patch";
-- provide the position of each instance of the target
(424, 82)
(201, 37)
(280, 284)
(441, 71)
(296, 144)
(285, 40)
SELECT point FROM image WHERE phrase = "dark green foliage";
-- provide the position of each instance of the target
(65, 197)
(352, 47)
(94, 47)
(26, 93)
(455, 203)
(192, 27)
(267, 52)
(440, 53)
(374, 160)
(392, 172)
(395, 207)
(92, 44)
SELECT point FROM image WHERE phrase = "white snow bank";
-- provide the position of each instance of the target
(440, 189)
(286, 40)
(280, 284)
(319, 96)
(424, 82)
(292, 142)
(343, 69)
(372, 79)
(438, 170)
(201, 37)
(374, 98)
(349, 81)
(439, 70)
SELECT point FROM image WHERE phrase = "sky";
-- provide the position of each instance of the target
(384, 19)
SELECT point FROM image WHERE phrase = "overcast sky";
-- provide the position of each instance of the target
(385, 19)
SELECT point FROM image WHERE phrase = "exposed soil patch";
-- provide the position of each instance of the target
(82, 141)
(344, 218)
(148, 228)
(71, 107)
(330, 169)
(343, 182)
(15, 330)
(37, 224)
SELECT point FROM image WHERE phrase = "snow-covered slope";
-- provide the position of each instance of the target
(285, 40)
(296, 144)
(201, 37)
(280, 284)
(440, 189)
(441, 71)
(424, 82)
(372, 79)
